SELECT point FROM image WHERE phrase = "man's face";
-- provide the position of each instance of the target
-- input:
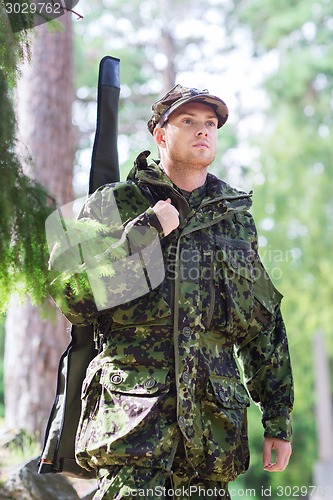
(189, 138)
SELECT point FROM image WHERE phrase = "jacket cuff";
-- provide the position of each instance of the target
(279, 426)
(149, 219)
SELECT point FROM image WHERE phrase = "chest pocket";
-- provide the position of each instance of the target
(236, 276)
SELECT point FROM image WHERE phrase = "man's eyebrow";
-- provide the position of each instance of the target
(188, 113)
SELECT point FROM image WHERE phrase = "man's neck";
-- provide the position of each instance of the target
(186, 181)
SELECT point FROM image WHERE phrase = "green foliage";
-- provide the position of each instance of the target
(13, 47)
(24, 205)
(83, 279)
(293, 200)
(271, 22)
(2, 351)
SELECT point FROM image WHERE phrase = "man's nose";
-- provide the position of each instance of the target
(202, 129)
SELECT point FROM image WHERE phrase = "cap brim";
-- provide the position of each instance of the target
(216, 103)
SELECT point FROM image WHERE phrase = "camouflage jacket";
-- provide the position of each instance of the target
(167, 365)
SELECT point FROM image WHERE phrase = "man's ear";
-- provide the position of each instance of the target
(159, 136)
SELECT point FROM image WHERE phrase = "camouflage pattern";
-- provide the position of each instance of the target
(178, 96)
(132, 482)
(167, 373)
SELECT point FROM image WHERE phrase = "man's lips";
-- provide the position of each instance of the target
(201, 145)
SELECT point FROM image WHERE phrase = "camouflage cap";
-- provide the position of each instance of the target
(180, 95)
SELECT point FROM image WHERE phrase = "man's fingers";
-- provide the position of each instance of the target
(267, 454)
(167, 214)
(283, 452)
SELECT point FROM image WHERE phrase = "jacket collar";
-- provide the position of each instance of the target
(216, 189)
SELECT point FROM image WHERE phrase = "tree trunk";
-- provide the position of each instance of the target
(169, 72)
(34, 345)
(168, 48)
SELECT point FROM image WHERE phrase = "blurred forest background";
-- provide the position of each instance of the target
(271, 61)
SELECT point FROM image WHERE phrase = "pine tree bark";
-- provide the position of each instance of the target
(33, 345)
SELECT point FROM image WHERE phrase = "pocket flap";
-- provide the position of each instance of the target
(133, 381)
(264, 290)
(230, 393)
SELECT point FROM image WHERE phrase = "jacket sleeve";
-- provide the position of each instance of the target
(100, 259)
(264, 354)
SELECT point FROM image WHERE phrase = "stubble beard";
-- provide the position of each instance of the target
(193, 164)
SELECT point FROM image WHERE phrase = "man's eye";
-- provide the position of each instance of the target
(187, 120)
(211, 124)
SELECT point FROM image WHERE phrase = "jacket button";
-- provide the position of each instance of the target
(116, 378)
(149, 383)
(181, 420)
(186, 377)
(187, 331)
(239, 398)
(221, 394)
(234, 263)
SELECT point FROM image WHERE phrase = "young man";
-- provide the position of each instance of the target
(163, 405)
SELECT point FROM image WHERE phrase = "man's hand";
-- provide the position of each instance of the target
(283, 451)
(167, 214)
